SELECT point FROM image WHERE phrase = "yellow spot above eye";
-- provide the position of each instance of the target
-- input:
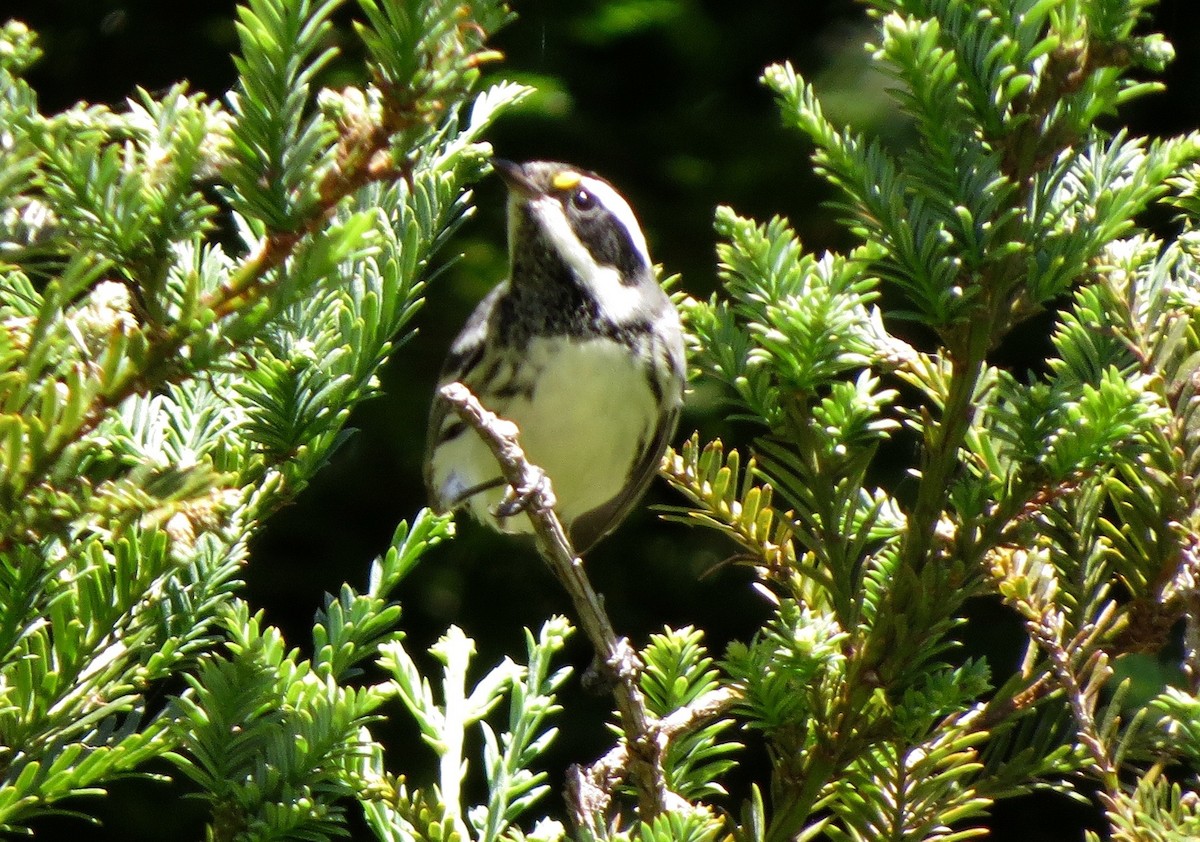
(566, 180)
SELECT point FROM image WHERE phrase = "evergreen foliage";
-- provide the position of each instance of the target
(195, 293)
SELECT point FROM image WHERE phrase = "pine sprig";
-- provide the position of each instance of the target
(678, 673)
(353, 625)
(162, 396)
(728, 499)
(926, 790)
(1073, 488)
(278, 142)
(699, 826)
(513, 786)
(282, 772)
(1156, 811)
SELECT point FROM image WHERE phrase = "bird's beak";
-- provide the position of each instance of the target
(514, 177)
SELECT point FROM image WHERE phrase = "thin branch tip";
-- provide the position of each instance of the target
(530, 485)
(639, 756)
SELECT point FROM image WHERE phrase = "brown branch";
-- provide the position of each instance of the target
(999, 710)
(640, 756)
(364, 156)
(589, 790)
(1080, 670)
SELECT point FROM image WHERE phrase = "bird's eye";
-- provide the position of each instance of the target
(583, 200)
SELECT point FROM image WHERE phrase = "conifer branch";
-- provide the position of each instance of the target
(590, 788)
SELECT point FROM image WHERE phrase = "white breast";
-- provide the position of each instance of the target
(588, 416)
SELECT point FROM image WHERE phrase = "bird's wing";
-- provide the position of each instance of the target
(465, 353)
(591, 526)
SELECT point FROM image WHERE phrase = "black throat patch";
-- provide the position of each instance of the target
(545, 298)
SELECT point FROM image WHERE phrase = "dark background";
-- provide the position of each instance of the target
(660, 96)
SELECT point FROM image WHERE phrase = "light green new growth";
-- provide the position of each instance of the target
(176, 363)
(162, 394)
(1068, 494)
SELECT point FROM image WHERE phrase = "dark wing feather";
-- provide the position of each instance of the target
(466, 351)
(591, 526)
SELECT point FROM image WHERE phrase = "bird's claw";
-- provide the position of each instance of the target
(533, 495)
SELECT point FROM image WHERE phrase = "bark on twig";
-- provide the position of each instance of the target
(639, 757)
(530, 485)
(589, 789)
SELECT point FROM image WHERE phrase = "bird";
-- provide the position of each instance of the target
(580, 347)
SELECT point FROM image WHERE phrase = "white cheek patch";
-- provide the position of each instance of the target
(621, 302)
(553, 220)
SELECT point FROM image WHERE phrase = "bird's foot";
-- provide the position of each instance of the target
(534, 495)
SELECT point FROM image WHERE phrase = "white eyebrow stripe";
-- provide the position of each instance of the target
(620, 209)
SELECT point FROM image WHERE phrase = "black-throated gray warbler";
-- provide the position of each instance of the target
(580, 347)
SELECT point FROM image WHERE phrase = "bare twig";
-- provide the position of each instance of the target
(590, 789)
(530, 485)
(639, 757)
(1080, 668)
